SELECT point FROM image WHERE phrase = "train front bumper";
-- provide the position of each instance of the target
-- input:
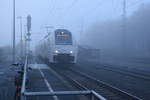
(64, 58)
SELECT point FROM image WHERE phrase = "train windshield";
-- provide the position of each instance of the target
(63, 37)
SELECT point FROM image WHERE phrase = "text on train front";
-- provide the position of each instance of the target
(63, 38)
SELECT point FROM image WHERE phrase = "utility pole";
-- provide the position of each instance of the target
(25, 45)
(124, 30)
(81, 31)
(25, 40)
(14, 48)
(21, 40)
(28, 32)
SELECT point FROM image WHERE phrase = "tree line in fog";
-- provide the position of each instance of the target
(5, 53)
(108, 35)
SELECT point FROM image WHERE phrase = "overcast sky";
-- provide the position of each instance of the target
(71, 14)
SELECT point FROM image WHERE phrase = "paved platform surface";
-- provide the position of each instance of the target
(43, 79)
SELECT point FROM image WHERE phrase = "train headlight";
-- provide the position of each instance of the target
(56, 51)
(71, 51)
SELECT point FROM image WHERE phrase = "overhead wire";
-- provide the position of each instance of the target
(137, 2)
(68, 9)
(54, 7)
(97, 7)
(51, 8)
(134, 3)
(74, 2)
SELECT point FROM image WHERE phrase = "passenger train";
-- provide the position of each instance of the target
(58, 46)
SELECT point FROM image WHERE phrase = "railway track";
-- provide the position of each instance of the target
(86, 82)
(144, 75)
(136, 74)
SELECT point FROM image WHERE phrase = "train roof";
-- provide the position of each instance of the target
(62, 30)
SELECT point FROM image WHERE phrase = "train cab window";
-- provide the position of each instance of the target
(63, 37)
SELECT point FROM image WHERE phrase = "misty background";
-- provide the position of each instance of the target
(108, 34)
(94, 23)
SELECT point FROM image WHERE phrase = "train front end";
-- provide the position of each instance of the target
(65, 48)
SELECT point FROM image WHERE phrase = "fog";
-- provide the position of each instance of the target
(76, 15)
(97, 23)
(98, 45)
(107, 35)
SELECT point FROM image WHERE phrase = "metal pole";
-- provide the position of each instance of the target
(21, 37)
(25, 46)
(28, 32)
(14, 49)
(124, 33)
(28, 46)
(81, 31)
(21, 40)
(25, 40)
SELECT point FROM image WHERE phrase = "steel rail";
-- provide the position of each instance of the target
(81, 86)
(78, 85)
(135, 74)
(127, 72)
(107, 85)
(25, 93)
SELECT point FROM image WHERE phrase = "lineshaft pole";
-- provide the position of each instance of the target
(124, 33)
(14, 49)
(21, 40)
